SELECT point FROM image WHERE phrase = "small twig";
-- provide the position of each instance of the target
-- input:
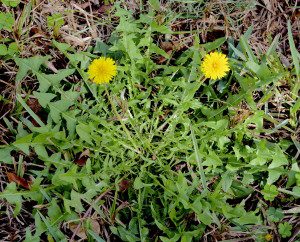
(88, 212)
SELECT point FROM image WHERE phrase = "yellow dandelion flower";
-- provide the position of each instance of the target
(268, 237)
(102, 70)
(215, 65)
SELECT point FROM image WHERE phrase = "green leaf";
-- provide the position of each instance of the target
(259, 161)
(248, 218)
(76, 201)
(246, 47)
(48, 80)
(296, 192)
(44, 98)
(57, 108)
(11, 195)
(32, 63)
(12, 48)
(24, 143)
(11, 3)
(294, 51)
(163, 29)
(54, 231)
(55, 19)
(95, 236)
(155, 4)
(273, 176)
(41, 151)
(270, 192)
(127, 26)
(131, 48)
(275, 214)
(285, 229)
(214, 45)
(84, 131)
(28, 109)
(226, 181)
(3, 49)
(138, 184)
(212, 159)
(5, 155)
(54, 212)
(70, 176)
(279, 159)
(62, 47)
(6, 21)
(70, 117)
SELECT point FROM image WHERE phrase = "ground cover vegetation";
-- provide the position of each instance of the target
(149, 120)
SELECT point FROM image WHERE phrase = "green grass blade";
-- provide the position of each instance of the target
(201, 171)
(28, 109)
(295, 53)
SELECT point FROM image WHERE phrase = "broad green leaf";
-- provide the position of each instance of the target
(5, 155)
(53, 230)
(62, 47)
(3, 50)
(70, 176)
(131, 48)
(226, 181)
(55, 19)
(95, 236)
(54, 212)
(12, 48)
(57, 108)
(13, 197)
(24, 143)
(70, 117)
(246, 47)
(48, 80)
(76, 201)
(212, 159)
(285, 229)
(279, 159)
(44, 98)
(127, 27)
(6, 21)
(214, 45)
(32, 63)
(273, 176)
(41, 151)
(248, 218)
(84, 131)
(296, 192)
(11, 3)
(270, 192)
(238, 52)
(163, 29)
(259, 161)
(275, 214)
(155, 4)
(273, 46)
(138, 184)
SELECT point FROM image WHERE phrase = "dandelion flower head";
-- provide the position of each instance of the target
(102, 70)
(215, 65)
(268, 237)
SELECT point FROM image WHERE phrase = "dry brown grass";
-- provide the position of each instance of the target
(88, 21)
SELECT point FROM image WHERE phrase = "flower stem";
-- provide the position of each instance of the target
(120, 120)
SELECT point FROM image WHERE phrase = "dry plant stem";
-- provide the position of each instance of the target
(120, 120)
(88, 212)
